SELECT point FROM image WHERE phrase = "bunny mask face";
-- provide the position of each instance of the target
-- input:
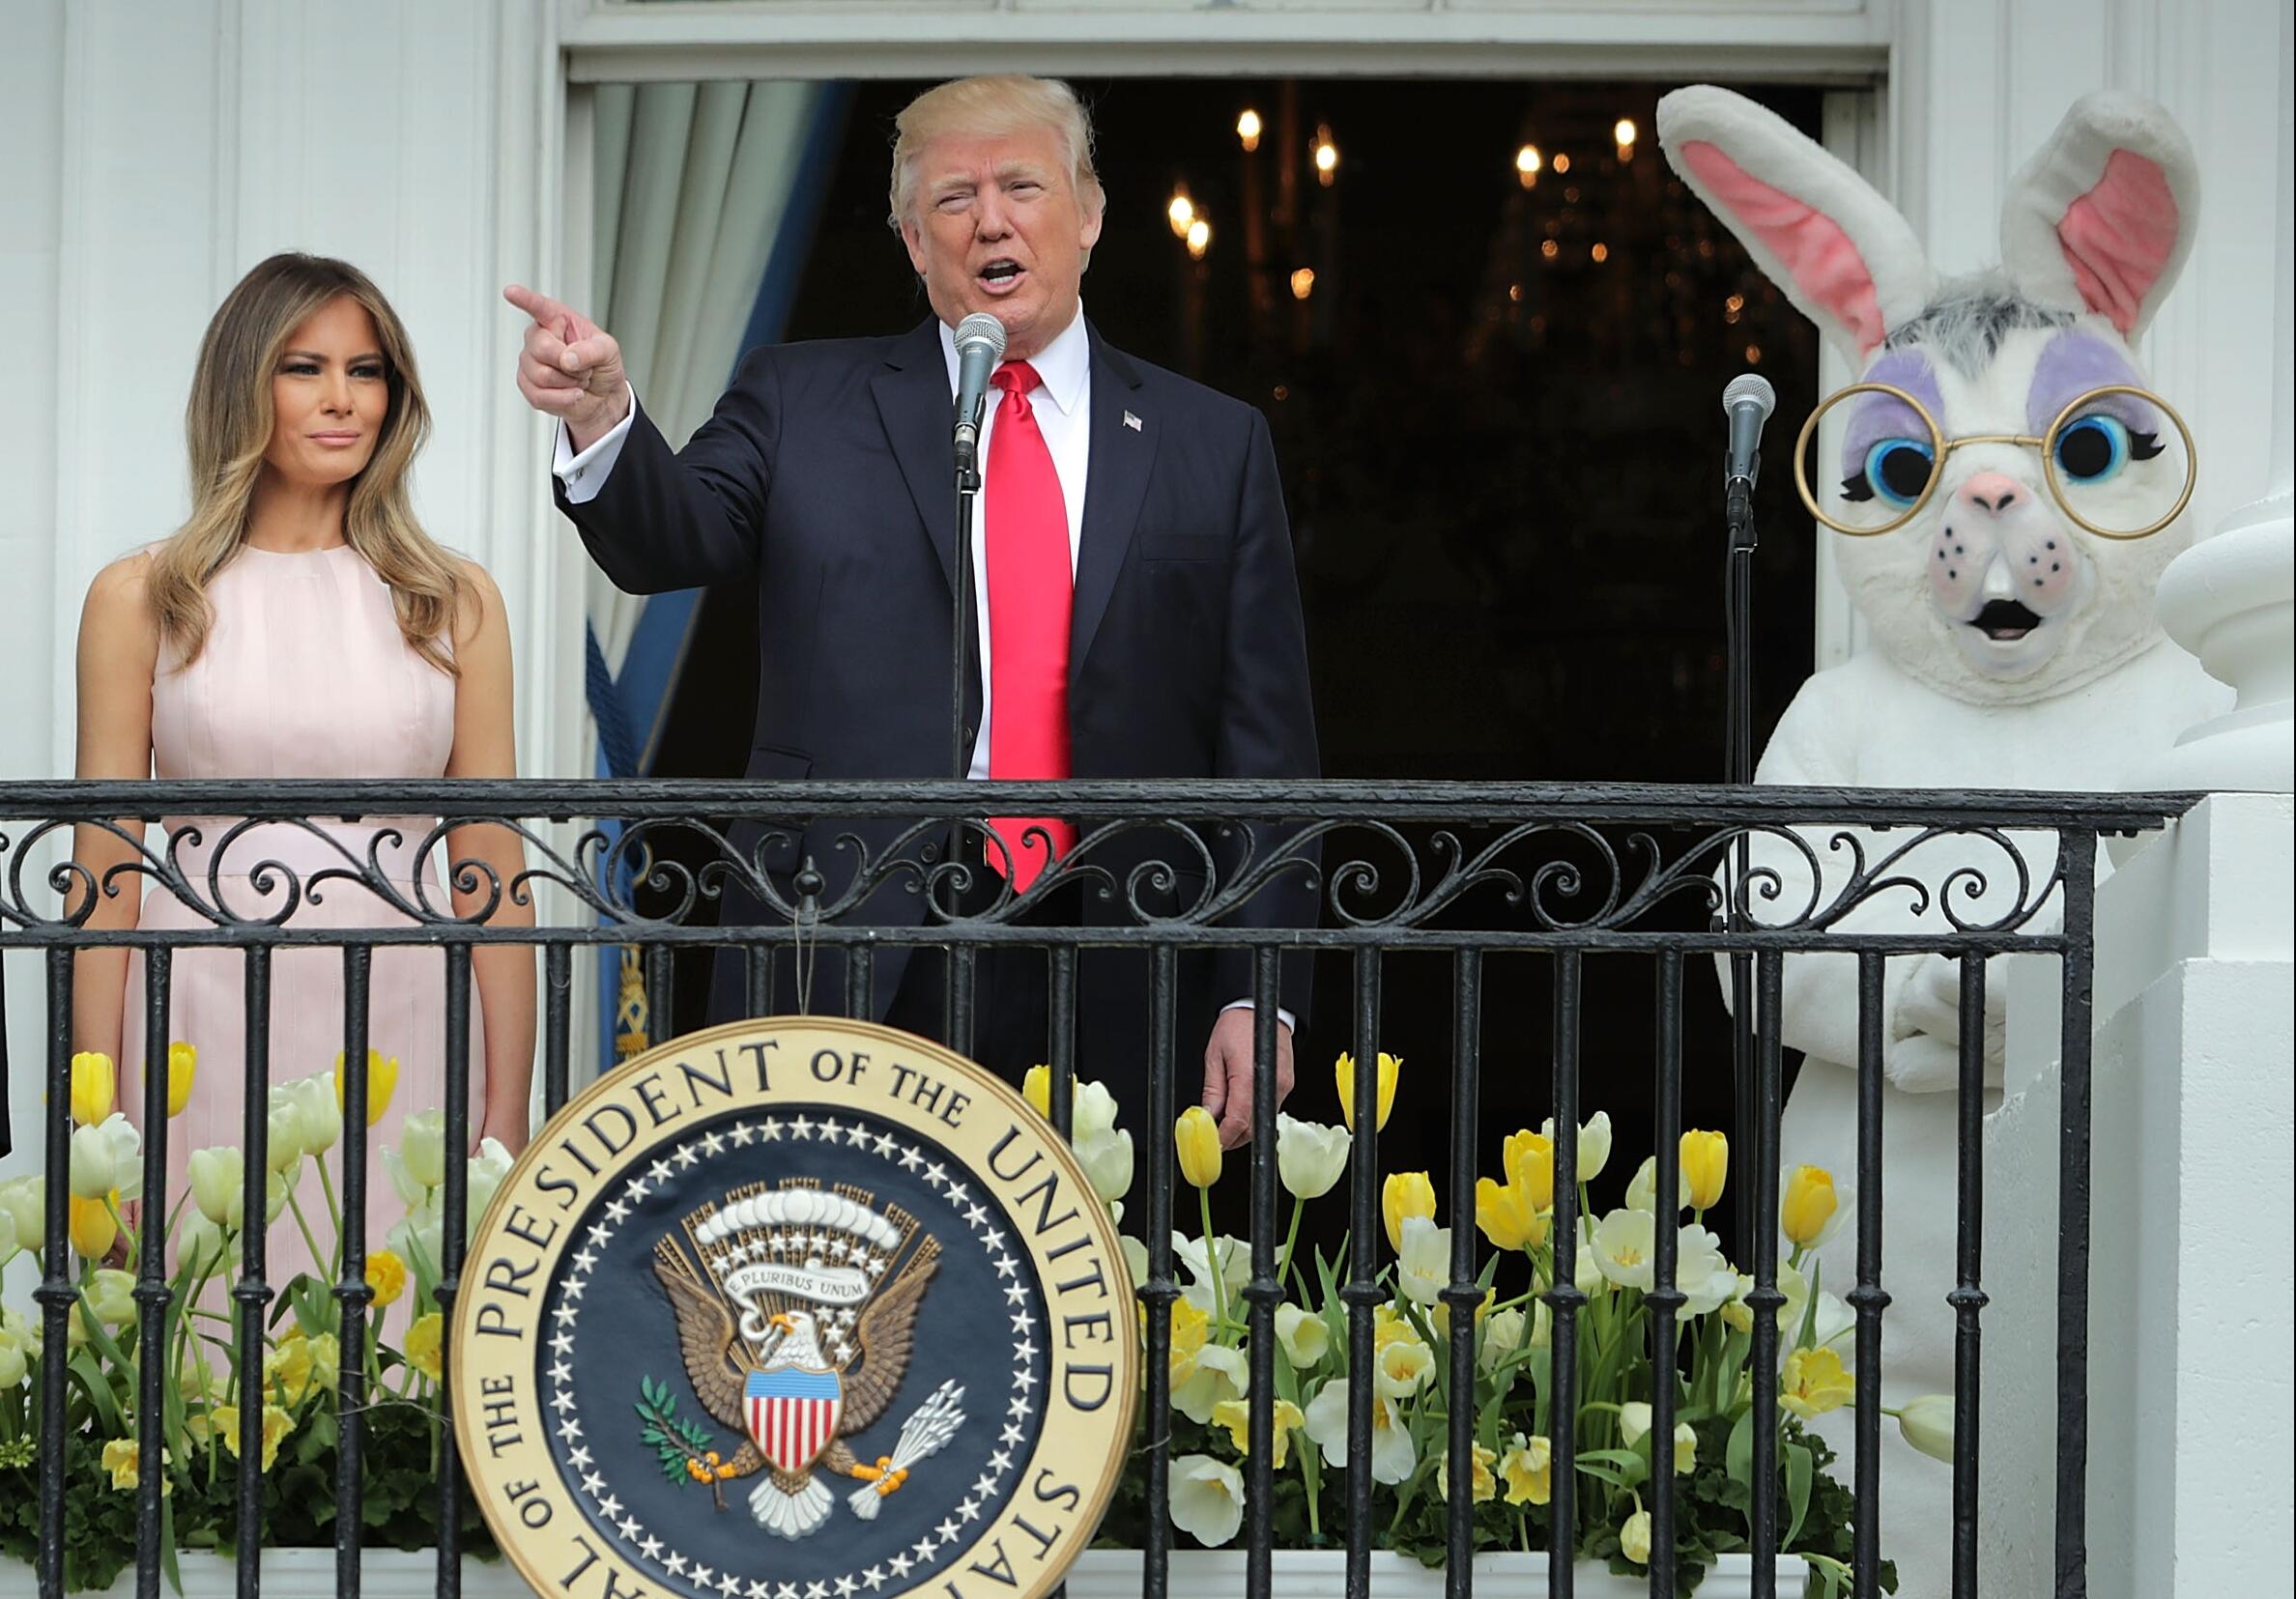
(1990, 591)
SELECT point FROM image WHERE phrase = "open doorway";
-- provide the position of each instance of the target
(1493, 379)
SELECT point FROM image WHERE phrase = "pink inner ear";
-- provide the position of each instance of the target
(1816, 253)
(2119, 235)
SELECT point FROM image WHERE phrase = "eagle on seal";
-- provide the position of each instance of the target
(794, 1404)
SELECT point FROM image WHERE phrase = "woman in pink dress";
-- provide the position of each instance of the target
(302, 625)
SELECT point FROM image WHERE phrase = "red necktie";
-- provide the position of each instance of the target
(1029, 588)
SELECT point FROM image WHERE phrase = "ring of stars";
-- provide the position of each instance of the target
(982, 1492)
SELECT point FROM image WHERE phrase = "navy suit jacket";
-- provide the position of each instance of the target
(826, 471)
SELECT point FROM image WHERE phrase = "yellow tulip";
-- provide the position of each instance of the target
(1507, 1216)
(1343, 1071)
(1528, 1468)
(94, 1232)
(1235, 1414)
(224, 1422)
(382, 1072)
(95, 1087)
(1191, 1327)
(1705, 1164)
(1487, 1486)
(1196, 1139)
(387, 1275)
(1528, 1160)
(121, 1458)
(424, 1339)
(1406, 1194)
(1808, 1205)
(1037, 1089)
(1815, 1383)
(183, 1065)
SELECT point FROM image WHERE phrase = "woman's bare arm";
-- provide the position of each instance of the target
(118, 652)
(485, 746)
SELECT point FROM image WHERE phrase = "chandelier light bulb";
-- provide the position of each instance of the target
(1248, 128)
(1182, 211)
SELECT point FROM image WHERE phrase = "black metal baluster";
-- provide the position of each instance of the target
(1461, 1294)
(352, 1292)
(453, 1224)
(757, 972)
(860, 980)
(1062, 1054)
(1361, 1292)
(1969, 1297)
(56, 1292)
(1563, 1296)
(151, 1293)
(558, 1004)
(1665, 1299)
(252, 1291)
(962, 959)
(661, 1000)
(1159, 1292)
(2076, 858)
(1868, 1299)
(1265, 1291)
(1764, 1299)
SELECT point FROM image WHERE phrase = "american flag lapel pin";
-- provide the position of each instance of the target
(1132, 421)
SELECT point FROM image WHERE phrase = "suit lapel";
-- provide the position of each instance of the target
(1115, 482)
(913, 398)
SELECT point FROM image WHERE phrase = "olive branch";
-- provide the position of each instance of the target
(681, 1444)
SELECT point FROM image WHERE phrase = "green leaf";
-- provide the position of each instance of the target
(1797, 1488)
(1739, 1458)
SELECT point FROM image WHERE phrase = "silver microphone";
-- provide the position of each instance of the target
(980, 345)
(1747, 402)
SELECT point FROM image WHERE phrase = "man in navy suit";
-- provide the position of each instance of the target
(1167, 642)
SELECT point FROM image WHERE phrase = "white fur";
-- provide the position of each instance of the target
(2067, 167)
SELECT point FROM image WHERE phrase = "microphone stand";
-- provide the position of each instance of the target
(960, 625)
(1737, 763)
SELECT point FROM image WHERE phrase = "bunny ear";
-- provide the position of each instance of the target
(2102, 217)
(1816, 229)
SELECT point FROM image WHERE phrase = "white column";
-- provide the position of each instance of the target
(2228, 599)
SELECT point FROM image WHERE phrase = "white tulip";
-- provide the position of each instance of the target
(104, 1158)
(1092, 1112)
(1107, 1157)
(1309, 1156)
(1502, 1335)
(22, 1201)
(1221, 1374)
(14, 1357)
(1392, 1456)
(1235, 1268)
(487, 1169)
(218, 1177)
(1135, 1259)
(1634, 1421)
(283, 1145)
(1304, 1338)
(1422, 1266)
(277, 1188)
(1207, 1499)
(1641, 1194)
(1927, 1424)
(418, 1238)
(423, 1145)
(1593, 1144)
(320, 1119)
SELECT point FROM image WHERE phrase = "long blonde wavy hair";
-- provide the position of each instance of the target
(229, 424)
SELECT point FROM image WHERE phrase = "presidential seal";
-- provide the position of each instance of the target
(795, 1308)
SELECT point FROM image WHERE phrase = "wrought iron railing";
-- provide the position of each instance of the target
(1384, 868)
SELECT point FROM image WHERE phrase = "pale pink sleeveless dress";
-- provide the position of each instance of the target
(304, 674)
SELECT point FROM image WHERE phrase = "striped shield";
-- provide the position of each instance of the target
(792, 1414)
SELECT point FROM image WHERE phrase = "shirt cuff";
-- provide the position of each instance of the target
(1281, 1015)
(583, 475)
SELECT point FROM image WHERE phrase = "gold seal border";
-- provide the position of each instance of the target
(509, 1480)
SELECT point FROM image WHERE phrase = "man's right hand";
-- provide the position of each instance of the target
(570, 368)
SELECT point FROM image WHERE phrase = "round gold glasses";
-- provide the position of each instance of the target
(2102, 459)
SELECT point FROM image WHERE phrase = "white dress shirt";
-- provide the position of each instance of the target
(1063, 406)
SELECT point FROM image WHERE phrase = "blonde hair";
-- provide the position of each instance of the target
(989, 107)
(228, 424)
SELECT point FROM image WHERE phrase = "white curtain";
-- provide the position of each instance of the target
(693, 181)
